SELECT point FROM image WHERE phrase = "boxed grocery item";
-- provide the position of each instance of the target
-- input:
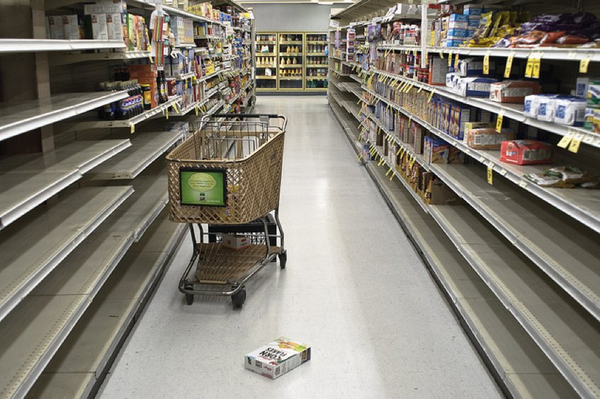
(569, 111)
(487, 138)
(98, 26)
(453, 42)
(476, 125)
(472, 67)
(525, 152)
(457, 26)
(545, 108)
(56, 25)
(435, 192)
(73, 29)
(235, 241)
(451, 79)
(472, 9)
(438, 68)
(513, 91)
(435, 150)
(114, 26)
(592, 119)
(531, 104)
(474, 87)
(277, 358)
(459, 116)
(458, 18)
(418, 139)
(593, 93)
(583, 84)
(456, 33)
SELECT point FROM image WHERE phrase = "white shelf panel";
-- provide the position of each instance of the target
(582, 205)
(98, 124)
(566, 252)
(66, 59)
(549, 53)
(29, 180)
(39, 45)
(146, 148)
(526, 372)
(18, 118)
(85, 353)
(567, 337)
(36, 245)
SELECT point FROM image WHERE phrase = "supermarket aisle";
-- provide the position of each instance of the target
(354, 289)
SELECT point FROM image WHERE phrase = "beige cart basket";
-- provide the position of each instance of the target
(244, 154)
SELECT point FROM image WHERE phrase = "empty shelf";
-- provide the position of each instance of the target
(79, 363)
(36, 245)
(18, 118)
(567, 335)
(518, 362)
(29, 180)
(34, 45)
(145, 149)
(567, 251)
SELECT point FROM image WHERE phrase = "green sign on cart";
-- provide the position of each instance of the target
(204, 187)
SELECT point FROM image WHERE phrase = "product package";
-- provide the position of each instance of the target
(459, 116)
(525, 152)
(434, 191)
(545, 108)
(487, 138)
(513, 91)
(474, 87)
(583, 84)
(235, 242)
(592, 119)
(56, 25)
(115, 26)
(473, 67)
(472, 10)
(593, 93)
(531, 104)
(73, 29)
(437, 71)
(435, 150)
(277, 358)
(569, 111)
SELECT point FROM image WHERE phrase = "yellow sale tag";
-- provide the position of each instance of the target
(529, 68)
(196, 110)
(388, 172)
(584, 65)
(399, 150)
(566, 140)
(537, 64)
(456, 60)
(442, 54)
(167, 113)
(575, 143)
(486, 64)
(431, 96)
(132, 128)
(509, 62)
(490, 175)
(499, 122)
(450, 59)
(392, 177)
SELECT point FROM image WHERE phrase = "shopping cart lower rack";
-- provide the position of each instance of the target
(228, 173)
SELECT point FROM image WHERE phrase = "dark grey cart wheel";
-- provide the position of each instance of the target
(282, 259)
(239, 298)
(189, 298)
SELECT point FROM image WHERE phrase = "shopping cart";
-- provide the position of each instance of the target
(228, 173)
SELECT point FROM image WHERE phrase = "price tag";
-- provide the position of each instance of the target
(420, 88)
(388, 172)
(584, 64)
(566, 140)
(399, 150)
(442, 54)
(490, 175)
(499, 121)
(486, 63)
(409, 119)
(456, 60)
(167, 113)
(450, 59)
(523, 184)
(537, 65)
(529, 68)
(431, 96)
(509, 62)
(392, 177)
(575, 143)
(381, 161)
(131, 128)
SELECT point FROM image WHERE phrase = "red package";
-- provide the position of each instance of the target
(525, 152)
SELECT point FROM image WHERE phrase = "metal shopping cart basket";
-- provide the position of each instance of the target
(228, 173)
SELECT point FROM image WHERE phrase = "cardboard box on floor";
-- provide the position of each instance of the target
(277, 358)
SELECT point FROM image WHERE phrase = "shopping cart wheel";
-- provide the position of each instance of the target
(282, 259)
(239, 298)
(189, 298)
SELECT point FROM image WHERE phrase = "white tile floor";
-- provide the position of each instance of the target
(354, 289)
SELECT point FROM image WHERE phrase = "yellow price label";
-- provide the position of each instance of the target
(132, 128)
(392, 177)
(576, 143)
(442, 54)
(537, 65)
(529, 68)
(456, 60)
(399, 150)
(499, 122)
(566, 140)
(450, 59)
(486, 64)
(431, 96)
(381, 162)
(197, 110)
(388, 172)
(490, 175)
(509, 63)
(584, 65)
(167, 113)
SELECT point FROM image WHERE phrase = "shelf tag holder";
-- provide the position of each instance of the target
(132, 128)
(537, 65)
(576, 143)
(490, 175)
(584, 65)
(509, 62)
(566, 140)
(486, 63)
(529, 68)
(450, 59)
(499, 122)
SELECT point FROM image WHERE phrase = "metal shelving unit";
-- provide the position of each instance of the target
(18, 118)
(8, 46)
(38, 243)
(29, 180)
(146, 148)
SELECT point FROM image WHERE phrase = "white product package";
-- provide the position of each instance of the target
(545, 108)
(99, 27)
(57, 29)
(531, 104)
(569, 111)
(277, 358)
(71, 27)
(114, 26)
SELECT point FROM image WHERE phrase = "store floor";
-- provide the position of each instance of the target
(354, 289)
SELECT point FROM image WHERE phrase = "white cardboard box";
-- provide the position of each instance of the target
(114, 26)
(99, 27)
(56, 26)
(231, 241)
(277, 358)
(71, 27)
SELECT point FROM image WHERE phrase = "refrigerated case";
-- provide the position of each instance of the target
(266, 61)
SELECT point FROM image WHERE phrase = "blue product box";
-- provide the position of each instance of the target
(473, 23)
(472, 9)
(458, 18)
(457, 33)
(458, 25)
(453, 42)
